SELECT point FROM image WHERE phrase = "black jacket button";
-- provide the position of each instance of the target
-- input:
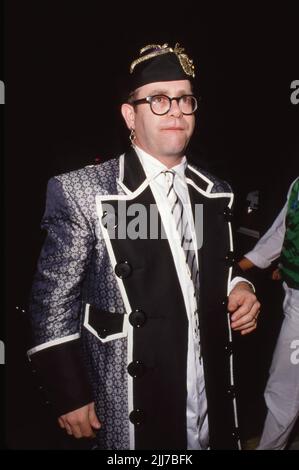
(137, 417)
(236, 434)
(229, 348)
(228, 214)
(136, 369)
(123, 270)
(137, 318)
(231, 391)
(103, 333)
(230, 258)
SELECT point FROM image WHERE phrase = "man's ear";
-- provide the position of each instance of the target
(128, 113)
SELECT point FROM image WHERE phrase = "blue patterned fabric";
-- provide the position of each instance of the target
(74, 242)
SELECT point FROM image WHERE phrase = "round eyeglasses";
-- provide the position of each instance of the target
(161, 104)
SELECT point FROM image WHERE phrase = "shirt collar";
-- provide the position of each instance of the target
(153, 167)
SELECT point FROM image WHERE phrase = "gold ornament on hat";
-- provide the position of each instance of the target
(186, 63)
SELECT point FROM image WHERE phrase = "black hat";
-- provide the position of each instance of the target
(160, 64)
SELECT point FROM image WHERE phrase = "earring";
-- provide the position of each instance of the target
(132, 136)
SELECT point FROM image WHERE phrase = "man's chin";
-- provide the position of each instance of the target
(176, 150)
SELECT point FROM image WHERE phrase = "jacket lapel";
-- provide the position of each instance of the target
(198, 187)
(131, 175)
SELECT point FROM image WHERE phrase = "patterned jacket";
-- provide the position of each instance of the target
(108, 314)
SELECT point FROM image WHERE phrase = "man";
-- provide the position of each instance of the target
(282, 389)
(133, 340)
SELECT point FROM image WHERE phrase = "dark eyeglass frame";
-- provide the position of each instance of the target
(149, 99)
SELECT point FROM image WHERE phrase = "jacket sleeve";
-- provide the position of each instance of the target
(55, 305)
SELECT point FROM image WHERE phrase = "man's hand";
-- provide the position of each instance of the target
(245, 308)
(80, 423)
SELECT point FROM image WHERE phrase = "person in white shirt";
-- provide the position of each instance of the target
(136, 295)
(282, 389)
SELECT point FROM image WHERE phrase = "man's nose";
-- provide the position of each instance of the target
(174, 108)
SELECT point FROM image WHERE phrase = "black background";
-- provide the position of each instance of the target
(65, 67)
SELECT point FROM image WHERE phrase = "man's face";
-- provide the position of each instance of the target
(167, 135)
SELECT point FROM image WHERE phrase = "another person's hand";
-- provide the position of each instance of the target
(81, 422)
(276, 276)
(245, 264)
(245, 308)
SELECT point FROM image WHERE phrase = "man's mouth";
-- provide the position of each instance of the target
(172, 129)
